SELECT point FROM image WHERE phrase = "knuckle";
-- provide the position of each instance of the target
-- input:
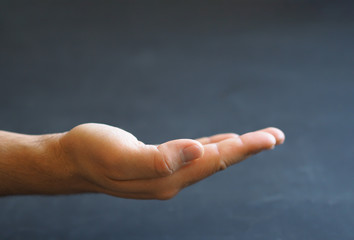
(233, 135)
(204, 140)
(238, 141)
(162, 166)
(222, 165)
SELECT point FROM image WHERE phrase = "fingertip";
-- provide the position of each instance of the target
(277, 133)
(270, 141)
(255, 142)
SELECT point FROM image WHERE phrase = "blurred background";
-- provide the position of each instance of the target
(185, 69)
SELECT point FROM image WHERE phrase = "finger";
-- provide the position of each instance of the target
(162, 195)
(216, 138)
(174, 154)
(150, 161)
(218, 156)
(277, 133)
(153, 188)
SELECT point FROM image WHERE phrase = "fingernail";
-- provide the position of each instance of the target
(192, 152)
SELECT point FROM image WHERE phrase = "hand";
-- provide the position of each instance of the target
(112, 161)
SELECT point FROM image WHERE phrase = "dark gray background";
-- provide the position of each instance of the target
(185, 69)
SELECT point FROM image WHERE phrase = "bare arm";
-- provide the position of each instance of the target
(32, 164)
(105, 159)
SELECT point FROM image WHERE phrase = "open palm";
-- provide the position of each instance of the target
(113, 161)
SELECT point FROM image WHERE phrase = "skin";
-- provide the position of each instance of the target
(98, 158)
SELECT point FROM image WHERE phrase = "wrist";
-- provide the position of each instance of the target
(32, 164)
(59, 166)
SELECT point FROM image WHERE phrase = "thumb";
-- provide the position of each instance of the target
(151, 161)
(174, 154)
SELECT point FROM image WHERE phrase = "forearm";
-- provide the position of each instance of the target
(35, 164)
